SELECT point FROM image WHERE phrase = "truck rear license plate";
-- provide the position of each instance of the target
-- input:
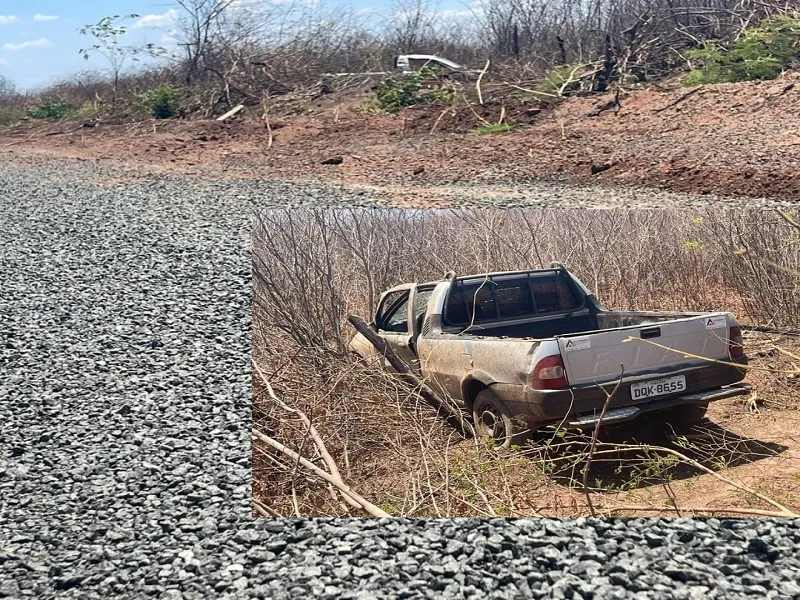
(658, 387)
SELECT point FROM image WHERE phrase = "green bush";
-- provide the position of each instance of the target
(87, 110)
(395, 94)
(164, 101)
(763, 52)
(555, 79)
(49, 109)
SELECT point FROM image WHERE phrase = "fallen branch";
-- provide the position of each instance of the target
(312, 431)
(764, 329)
(774, 265)
(711, 360)
(790, 220)
(573, 79)
(593, 443)
(38, 132)
(477, 116)
(784, 511)
(436, 123)
(478, 83)
(680, 99)
(265, 106)
(530, 91)
(231, 112)
(338, 483)
(264, 510)
(735, 511)
(785, 352)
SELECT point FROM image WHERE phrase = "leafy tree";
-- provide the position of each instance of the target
(393, 95)
(50, 108)
(107, 33)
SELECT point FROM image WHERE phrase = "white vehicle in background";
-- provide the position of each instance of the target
(411, 63)
(403, 62)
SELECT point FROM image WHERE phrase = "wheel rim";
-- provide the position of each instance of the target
(491, 423)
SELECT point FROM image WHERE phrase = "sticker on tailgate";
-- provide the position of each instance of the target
(583, 343)
(716, 322)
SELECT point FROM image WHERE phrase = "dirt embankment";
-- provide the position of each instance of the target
(731, 140)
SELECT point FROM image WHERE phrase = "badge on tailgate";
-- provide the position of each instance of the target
(658, 387)
(577, 343)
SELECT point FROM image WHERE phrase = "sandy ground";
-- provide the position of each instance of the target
(752, 441)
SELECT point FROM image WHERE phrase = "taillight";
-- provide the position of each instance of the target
(549, 374)
(735, 342)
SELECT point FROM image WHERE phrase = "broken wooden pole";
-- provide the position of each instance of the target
(408, 374)
(231, 112)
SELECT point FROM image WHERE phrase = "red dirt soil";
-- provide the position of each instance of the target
(730, 140)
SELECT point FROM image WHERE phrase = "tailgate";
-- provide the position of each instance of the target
(596, 357)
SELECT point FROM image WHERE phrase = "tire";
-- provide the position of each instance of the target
(684, 417)
(492, 420)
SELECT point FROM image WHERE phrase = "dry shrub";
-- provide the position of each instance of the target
(311, 268)
(778, 385)
(387, 443)
(232, 52)
(645, 259)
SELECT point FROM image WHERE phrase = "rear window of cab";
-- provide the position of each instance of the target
(509, 297)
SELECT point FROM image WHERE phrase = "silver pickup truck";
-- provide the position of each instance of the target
(521, 350)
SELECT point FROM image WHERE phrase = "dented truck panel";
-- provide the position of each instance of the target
(648, 345)
(451, 362)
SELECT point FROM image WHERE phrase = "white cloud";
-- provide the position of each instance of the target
(40, 43)
(156, 21)
(8, 19)
(40, 17)
(169, 40)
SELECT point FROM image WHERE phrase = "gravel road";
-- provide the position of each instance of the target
(124, 444)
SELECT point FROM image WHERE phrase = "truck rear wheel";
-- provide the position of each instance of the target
(684, 417)
(493, 421)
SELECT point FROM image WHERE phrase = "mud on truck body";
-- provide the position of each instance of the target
(525, 349)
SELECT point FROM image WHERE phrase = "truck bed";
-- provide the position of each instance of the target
(649, 347)
(595, 347)
(549, 327)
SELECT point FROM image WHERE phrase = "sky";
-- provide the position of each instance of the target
(40, 43)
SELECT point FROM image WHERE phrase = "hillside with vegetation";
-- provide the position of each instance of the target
(665, 94)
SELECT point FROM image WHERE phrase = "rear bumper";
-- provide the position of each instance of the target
(620, 415)
(582, 403)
